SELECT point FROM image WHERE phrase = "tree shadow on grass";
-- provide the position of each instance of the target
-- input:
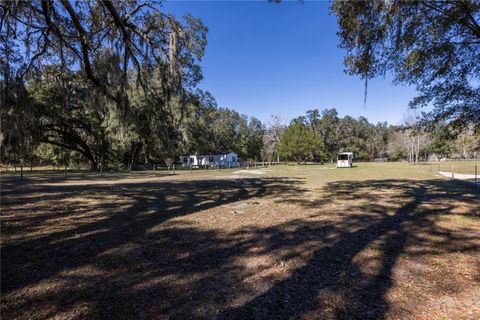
(148, 205)
(143, 260)
(371, 217)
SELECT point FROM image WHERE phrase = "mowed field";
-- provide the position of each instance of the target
(377, 241)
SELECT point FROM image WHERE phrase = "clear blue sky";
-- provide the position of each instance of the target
(264, 58)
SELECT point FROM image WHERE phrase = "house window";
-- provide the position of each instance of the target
(210, 158)
(234, 159)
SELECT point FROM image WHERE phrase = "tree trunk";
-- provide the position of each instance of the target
(21, 170)
(132, 158)
(93, 165)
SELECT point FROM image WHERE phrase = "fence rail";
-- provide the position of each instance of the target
(459, 170)
(464, 171)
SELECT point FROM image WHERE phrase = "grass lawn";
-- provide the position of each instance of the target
(378, 241)
(464, 167)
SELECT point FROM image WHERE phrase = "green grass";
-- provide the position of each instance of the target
(370, 169)
(464, 167)
(314, 174)
(321, 174)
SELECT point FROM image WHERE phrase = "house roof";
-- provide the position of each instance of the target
(208, 154)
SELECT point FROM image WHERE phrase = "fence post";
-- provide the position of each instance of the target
(475, 175)
(190, 167)
(205, 167)
(453, 174)
(229, 166)
(174, 168)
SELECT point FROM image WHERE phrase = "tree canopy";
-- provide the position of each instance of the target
(104, 78)
(434, 45)
(73, 34)
(300, 143)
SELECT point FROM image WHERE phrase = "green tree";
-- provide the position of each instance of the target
(442, 141)
(74, 33)
(366, 140)
(328, 129)
(86, 66)
(19, 130)
(71, 114)
(300, 143)
(256, 131)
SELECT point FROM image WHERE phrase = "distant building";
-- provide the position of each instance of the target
(345, 160)
(211, 160)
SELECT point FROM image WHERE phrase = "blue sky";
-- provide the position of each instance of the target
(264, 58)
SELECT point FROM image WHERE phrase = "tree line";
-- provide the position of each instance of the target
(65, 121)
(320, 136)
(109, 84)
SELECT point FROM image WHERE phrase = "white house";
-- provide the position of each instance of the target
(229, 159)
